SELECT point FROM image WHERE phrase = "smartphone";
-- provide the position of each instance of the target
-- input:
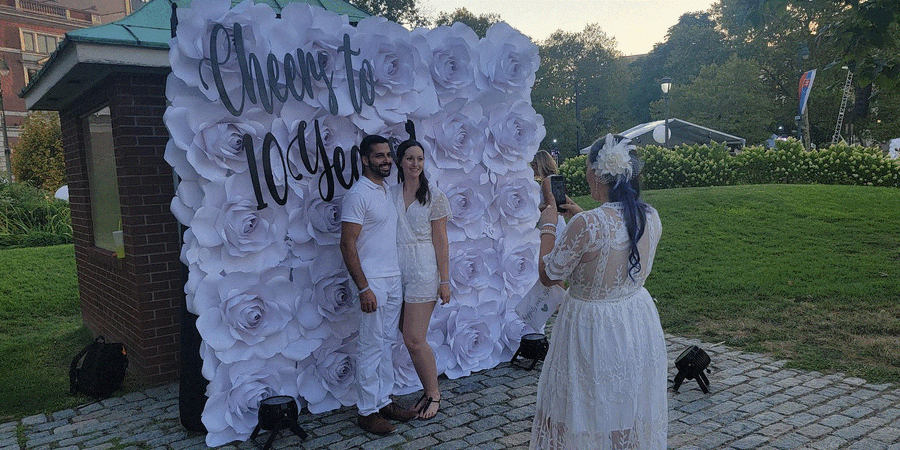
(558, 188)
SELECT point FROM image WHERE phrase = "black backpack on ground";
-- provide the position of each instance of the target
(98, 370)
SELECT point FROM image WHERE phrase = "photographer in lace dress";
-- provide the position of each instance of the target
(603, 383)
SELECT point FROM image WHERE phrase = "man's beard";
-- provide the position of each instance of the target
(383, 173)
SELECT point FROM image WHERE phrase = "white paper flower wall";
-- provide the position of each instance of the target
(265, 115)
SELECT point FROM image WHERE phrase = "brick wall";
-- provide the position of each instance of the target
(136, 300)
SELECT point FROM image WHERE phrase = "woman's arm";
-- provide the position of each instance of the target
(547, 225)
(546, 194)
(442, 256)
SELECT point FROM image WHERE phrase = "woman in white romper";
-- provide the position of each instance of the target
(424, 264)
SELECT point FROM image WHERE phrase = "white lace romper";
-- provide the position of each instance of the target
(603, 383)
(418, 264)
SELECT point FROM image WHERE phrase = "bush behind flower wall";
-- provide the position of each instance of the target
(787, 163)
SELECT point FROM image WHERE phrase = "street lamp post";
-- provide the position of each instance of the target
(554, 152)
(665, 84)
(4, 71)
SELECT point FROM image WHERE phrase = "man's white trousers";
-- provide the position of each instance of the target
(377, 333)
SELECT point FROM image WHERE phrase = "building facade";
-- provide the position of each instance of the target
(30, 32)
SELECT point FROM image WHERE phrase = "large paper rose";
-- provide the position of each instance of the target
(328, 378)
(213, 139)
(509, 61)
(473, 337)
(519, 259)
(235, 392)
(177, 158)
(399, 68)
(245, 315)
(516, 200)
(473, 266)
(459, 132)
(453, 62)
(187, 200)
(469, 196)
(316, 220)
(516, 131)
(233, 235)
(332, 292)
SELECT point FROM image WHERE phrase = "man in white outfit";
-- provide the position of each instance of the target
(369, 248)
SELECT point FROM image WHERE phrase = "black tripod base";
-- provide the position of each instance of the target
(289, 424)
(699, 376)
(516, 355)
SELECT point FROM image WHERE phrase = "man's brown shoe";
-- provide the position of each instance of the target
(393, 411)
(375, 423)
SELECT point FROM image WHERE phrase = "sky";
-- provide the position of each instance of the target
(635, 24)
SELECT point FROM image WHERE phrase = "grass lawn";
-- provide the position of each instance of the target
(806, 273)
(40, 330)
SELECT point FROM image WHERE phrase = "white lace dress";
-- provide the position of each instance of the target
(418, 264)
(603, 383)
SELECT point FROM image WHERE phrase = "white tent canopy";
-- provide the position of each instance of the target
(680, 133)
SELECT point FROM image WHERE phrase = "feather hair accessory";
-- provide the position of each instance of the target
(616, 161)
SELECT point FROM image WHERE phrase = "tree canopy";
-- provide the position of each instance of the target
(479, 23)
(580, 87)
(404, 12)
(730, 98)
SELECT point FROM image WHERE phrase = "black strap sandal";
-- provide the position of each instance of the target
(427, 404)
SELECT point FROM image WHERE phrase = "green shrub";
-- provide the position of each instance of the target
(38, 157)
(787, 163)
(573, 170)
(32, 217)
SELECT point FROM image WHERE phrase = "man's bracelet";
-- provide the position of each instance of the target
(445, 282)
(367, 288)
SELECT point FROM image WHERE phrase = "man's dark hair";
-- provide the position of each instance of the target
(365, 147)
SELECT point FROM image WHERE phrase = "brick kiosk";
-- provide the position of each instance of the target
(122, 69)
(135, 299)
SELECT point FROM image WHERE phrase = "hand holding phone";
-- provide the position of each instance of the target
(558, 188)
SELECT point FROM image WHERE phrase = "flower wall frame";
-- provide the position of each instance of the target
(265, 116)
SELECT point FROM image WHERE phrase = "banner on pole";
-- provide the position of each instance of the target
(806, 82)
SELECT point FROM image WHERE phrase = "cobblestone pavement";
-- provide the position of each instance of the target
(755, 403)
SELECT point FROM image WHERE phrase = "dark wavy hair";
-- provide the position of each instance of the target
(365, 147)
(627, 192)
(423, 194)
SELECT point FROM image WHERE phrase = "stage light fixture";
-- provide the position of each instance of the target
(532, 346)
(275, 414)
(690, 364)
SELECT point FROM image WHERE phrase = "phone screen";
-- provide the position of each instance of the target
(558, 188)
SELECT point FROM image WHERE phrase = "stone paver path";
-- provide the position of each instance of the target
(754, 403)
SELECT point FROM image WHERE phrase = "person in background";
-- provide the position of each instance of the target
(603, 383)
(369, 248)
(424, 264)
(544, 167)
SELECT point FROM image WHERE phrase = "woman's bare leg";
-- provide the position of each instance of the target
(416, 317)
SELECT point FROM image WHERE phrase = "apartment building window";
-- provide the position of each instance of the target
(39, 43)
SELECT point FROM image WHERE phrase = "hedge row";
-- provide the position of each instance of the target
(787, 163)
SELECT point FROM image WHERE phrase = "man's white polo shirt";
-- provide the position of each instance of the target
(370, 205)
